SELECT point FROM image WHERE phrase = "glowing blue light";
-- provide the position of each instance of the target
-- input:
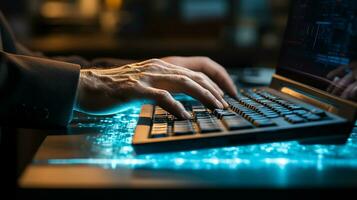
(179, 161)
(112, 149)
(281, 162)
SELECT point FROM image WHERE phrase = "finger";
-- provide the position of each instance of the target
(342, 84)
(200, 79)
(204, 76)
(350, 92)
(213, 83)
(165, 100)
(218, 74)
(183, 84)
(340, 71)
(331, 87)
(209, 86)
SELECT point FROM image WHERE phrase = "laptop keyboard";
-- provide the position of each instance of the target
(253, 109)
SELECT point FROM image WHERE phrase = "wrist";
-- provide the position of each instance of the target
(79, 93)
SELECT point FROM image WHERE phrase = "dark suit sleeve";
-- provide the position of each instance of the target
(36, 91)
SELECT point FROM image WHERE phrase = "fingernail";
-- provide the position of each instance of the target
(218, 104)
(186, 115)
(225, 104)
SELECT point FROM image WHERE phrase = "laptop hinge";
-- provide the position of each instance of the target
(316, 97)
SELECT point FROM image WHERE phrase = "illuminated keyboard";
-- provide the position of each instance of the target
(257, 115)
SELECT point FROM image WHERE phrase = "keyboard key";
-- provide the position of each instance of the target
(264, 123)
(159, 119)
(300, 112)
(202, 115)
(210, 129)
(272, 116)
(219, 113)
(318, 112)
(294, 119)
(255, 118)
(236, 123)
(294, 107)
(159, 130)
(312, 117)
(159, 111)
(208, 125)
(183, 127)
(284, 113)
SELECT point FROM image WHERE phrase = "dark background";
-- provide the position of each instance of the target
(236, 33)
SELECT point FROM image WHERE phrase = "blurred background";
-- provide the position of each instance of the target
(236, 33)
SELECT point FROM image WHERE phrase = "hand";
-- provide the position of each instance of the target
(209, 68)
(101, 90)
(344, 81)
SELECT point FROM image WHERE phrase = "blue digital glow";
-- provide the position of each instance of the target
(113, 149)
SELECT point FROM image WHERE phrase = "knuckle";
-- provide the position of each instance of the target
(176, 72)
(147, 67)
(164, 94)
(206, 59)
(159, 67)
(182, 78)
(155, 67)
(200, 77)
(206, 93)
(155, 61)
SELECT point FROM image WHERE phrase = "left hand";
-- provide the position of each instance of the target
(213, 71)
(344, 81)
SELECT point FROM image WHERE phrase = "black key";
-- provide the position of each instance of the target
(294, 107)
(255, 118)
(300, 112)
(208, 125)
(205, 120)
(183, 127)
(160, 111)
(202, 115)
(219, 113)
(284, 113)
(272, 116)
(159, 130)
(264, 123)
(236, 123)
(312, 117)
(294, 119)
(318, 112)
(160, 119)
(210, 129)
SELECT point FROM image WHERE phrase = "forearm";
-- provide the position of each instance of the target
(84, 63)
(102, 63)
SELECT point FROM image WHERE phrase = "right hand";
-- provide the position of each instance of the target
(101, 90)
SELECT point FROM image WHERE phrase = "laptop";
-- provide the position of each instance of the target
(312, 96)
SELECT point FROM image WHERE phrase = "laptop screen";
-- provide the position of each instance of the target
(320, 46)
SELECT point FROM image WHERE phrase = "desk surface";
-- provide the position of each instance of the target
(97, 153)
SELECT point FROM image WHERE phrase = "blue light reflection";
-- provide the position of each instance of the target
(113, 149)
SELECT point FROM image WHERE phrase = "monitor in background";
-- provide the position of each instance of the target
(198, 10)
(320, 46)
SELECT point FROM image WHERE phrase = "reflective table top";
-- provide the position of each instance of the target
(277, 164)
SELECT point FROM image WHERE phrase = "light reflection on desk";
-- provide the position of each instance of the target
(112, 149)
